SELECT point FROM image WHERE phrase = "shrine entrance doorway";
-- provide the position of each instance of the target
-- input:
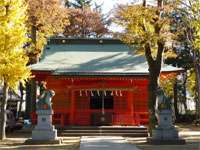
(101, 105)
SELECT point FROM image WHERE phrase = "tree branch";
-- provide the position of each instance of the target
(161, 45)
(148, 54)
(144, 3)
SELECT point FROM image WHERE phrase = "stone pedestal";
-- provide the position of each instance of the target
(165, 133)
(44, 130)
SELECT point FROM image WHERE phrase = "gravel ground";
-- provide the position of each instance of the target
(141, 144)
(39, 147)
(15, 141)
(188, 132)
(189, 146)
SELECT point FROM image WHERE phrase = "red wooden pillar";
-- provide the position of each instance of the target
(62, 121)
(130, 106)
(72, 108)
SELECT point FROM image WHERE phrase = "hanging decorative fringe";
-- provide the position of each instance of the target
(111, 93)
(86, 93)
(98, 93)
(120, 93)
(80, 93)
(116, 93)
(91, 93)
(104, 93)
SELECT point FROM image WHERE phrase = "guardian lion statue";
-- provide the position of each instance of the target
(44, 100)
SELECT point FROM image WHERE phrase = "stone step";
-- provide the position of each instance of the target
(104, 134)
(129, 131)
(71, 140)
(103, 128)
(102, 131)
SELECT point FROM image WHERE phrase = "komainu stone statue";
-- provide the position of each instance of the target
(165, 132)
(162, 102)
(44, 100)
(44, 130)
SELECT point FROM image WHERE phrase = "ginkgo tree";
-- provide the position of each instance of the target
(13, 59)
(147, 27)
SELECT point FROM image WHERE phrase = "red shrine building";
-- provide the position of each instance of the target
(96, 81)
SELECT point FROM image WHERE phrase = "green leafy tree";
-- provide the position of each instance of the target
(13, 60)
(195, 24)
(191, 18)
(148, 28)
(182, 57)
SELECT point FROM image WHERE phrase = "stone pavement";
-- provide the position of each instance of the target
(105, 143)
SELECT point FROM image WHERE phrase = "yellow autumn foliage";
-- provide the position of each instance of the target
(144, 25)
(13, 59)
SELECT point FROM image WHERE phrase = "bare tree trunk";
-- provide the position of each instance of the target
(30, 97)
(4, 100)
(184, 99)
(21, 99)
(3, 112)
(144, 3)
(33, 59)
(176, 111)
(33, 56)
(198, 92)
(34, 32)
(33, 94)
(160, 3)
(66, 3)
(154, 72)
(197, 72)
(153, 84)
(28, 100)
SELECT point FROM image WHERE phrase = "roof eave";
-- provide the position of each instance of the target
(98, 74)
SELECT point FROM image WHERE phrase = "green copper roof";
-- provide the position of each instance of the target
(92, 57)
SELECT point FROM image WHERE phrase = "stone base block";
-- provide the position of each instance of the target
(43, 142)
(44, 135)
(165, 142)
(165, 134)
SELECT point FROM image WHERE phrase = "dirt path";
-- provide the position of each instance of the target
(190, 133)
(106, 143)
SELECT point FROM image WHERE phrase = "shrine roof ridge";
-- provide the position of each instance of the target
(107, 74)
(90, 41)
